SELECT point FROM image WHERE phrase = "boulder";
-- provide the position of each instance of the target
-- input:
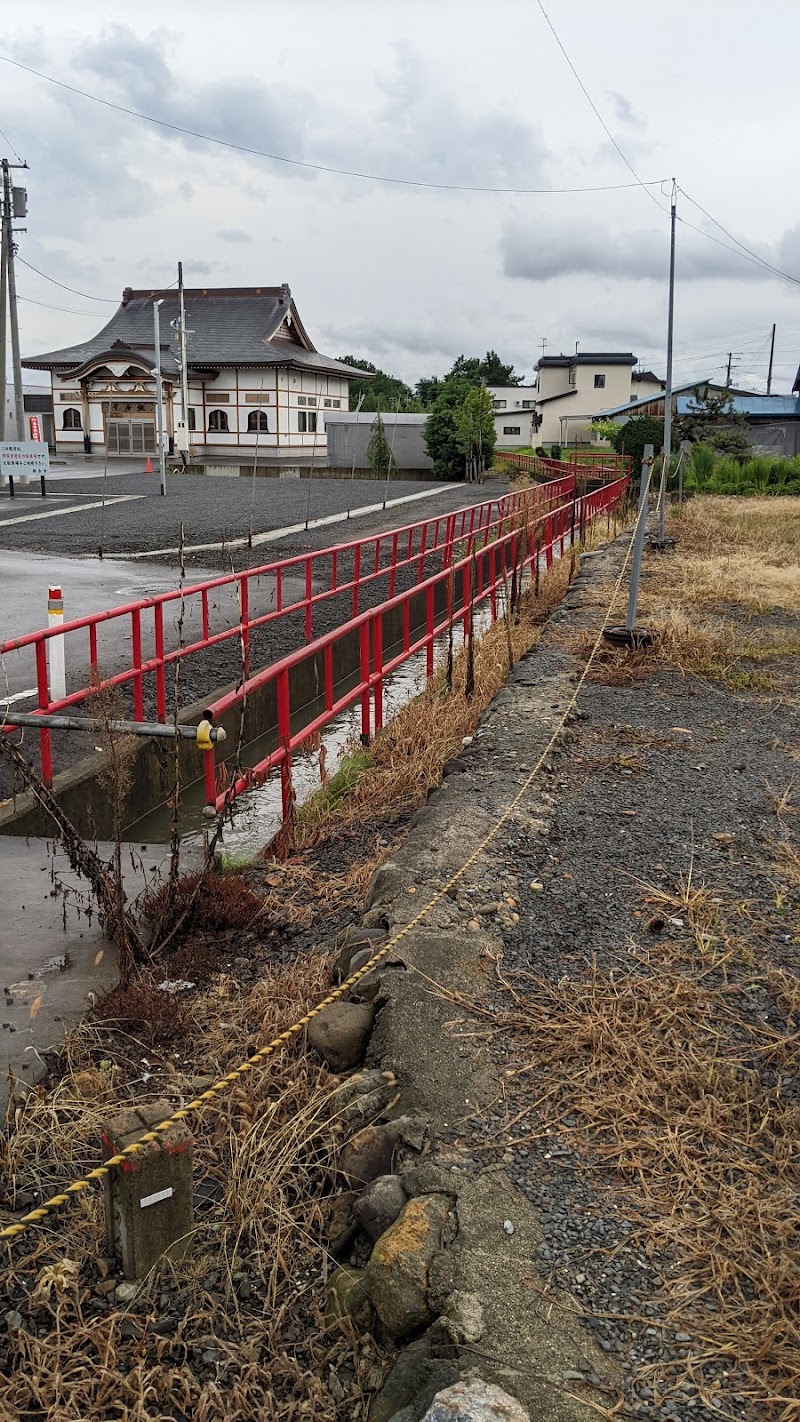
(371, 1152)
(380, 1205)
(347, 1297)
(397, 1273)
(340, 1225)
(355, 939)
(475, 1401)
(364, 1096)
(341, 1032)
(415, 1379)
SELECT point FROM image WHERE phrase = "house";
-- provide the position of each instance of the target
(515, 419)
(645, 384)
(257, 384)
(573, 389)
(36, 402)
(773, 420)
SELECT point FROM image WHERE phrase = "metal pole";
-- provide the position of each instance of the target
(771, 356)
(124, 728)
(12, 308)
(3, 308)
(162, 458)
(670, 326)
(184, 370)
(638, 537)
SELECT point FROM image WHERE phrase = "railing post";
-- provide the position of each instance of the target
(210, 780)
(377, 658)
(285, 740)
(356, 576)
(136, 645)
(493, 579)
(244, 606)
(308, 599)
(93, 649)
(430, 626)
(393, 565)
(204, 612)
(423, 543)
(364, 661)
(158, 641)
(43, 701)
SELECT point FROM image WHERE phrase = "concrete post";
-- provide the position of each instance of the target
(55, 646)
(148, 1199)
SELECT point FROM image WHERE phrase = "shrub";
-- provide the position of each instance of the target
(555, 451)
(702, 464)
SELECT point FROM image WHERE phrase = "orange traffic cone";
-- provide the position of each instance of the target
(148, 465)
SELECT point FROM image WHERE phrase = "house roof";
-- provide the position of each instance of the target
(586, 358)
(753, 405)
(677, 390)
(647, 375)
(562, 395)
(225, 327)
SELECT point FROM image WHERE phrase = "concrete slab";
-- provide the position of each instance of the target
(54, 963)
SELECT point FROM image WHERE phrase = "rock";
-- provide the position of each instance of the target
(126, 1291)
(354, 939)
(348, 1298)
(475, 1401)
(14, 1320)
(360, 960)
(537, 887)
(463, 1317)
(380, 1205)
(413, 1383)
(397, 1273)
(371, 1152)
(364, 1096)
(386, 883)
(341, 1226)
(341, 1032)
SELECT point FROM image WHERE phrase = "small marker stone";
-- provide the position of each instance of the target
(537, 887)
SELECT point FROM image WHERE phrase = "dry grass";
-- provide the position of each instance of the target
(658, 1065)
(266, 1160)
(740, 551)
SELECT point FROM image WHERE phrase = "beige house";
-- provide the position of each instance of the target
(515, 418)
(572, 389)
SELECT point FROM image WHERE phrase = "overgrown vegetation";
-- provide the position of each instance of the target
(713, 473)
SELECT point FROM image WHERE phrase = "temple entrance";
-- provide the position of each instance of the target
(131, 427)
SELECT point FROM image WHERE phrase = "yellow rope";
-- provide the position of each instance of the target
(13, 1231)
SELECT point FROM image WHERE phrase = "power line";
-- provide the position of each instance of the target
(108, 300)
(317, 167)
(639, 182)
(744, 249)
(69, 310)
(7, 140)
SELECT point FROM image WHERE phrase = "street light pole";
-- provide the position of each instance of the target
(184, 370)
(668, 386)
(12, 302)
(3, 309)
(162, 457)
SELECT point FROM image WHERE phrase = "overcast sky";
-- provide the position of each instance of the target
(443, 91)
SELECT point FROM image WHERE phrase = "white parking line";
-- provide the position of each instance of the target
(78, 508)
(18, 696)
(275, 534)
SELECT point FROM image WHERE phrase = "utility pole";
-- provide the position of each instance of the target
(184, 369)
(3, 308)
(771, 357)
(9, 205)
(668, 384)
(728, 373)
(162, 457)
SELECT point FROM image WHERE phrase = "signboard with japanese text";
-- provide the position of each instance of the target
(36, 433)
(24, 459)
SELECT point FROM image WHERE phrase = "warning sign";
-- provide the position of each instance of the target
(24, 459)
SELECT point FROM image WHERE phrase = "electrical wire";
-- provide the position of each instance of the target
(7, 140)
(593, 106)
(744, 249)
(318, 167)
(68, 310)
(108, 300)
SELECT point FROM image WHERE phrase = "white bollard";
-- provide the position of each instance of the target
(55, 646)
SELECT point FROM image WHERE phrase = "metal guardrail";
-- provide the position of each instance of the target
(595, 464)
(298, 584)
(488, 559)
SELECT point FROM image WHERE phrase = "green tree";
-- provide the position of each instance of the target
(475, 431)
(632, 437)
(453, 434)
(379, 454)
(491, 370)
(712, 420)
(428, 390)
(606, 429)
(382, 392)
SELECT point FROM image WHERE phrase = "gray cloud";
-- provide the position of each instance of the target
(625, 111)
(234, 234)
(532, 252)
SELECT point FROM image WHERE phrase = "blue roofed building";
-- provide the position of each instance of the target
(773, 420)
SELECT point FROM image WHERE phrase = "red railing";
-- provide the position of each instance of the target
(293, 585)
(594, 464)
(535, 535)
